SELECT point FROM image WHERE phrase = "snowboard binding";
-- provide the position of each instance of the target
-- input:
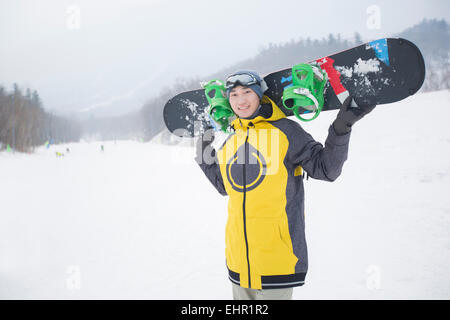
(308, 83)
(219, 109)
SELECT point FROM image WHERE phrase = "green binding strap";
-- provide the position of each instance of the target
(219, 109)
(308, 83)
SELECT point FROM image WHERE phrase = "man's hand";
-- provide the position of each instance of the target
(349, 113)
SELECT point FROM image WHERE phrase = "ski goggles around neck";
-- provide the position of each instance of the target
(243, 79)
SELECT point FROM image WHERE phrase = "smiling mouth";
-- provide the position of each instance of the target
(243, 108)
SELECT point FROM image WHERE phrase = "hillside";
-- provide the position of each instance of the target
(431, 36)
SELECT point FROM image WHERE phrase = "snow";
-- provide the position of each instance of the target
(190, 105)
(197, 115)
(140, 221)
(361, 67)
(366, 66)
(345, 71)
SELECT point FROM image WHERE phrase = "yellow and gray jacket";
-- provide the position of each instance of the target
(260, 167)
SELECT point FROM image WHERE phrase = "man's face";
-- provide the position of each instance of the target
(244, 101)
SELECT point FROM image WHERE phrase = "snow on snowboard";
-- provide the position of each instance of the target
(379, 72)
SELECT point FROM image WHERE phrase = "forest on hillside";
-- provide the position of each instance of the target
(25, 124)
(431, 36)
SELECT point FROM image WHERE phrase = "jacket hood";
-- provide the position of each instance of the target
(269, 111)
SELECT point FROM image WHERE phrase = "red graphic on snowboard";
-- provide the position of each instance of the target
(334, 76)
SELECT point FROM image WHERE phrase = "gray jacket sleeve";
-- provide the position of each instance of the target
(206, 158)
(323, 163)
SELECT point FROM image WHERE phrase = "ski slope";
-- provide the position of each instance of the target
(140, 221)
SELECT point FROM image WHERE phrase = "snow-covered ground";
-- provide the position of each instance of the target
(141, 221)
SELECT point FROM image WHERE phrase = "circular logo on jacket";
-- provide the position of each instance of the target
(247, 167)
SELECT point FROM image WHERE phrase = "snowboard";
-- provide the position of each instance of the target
(378, 72)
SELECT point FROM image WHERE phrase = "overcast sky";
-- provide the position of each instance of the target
(111, 56)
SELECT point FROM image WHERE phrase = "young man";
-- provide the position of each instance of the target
(260, 167)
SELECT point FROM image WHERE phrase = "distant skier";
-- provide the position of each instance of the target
(102, 148)
(260, 167)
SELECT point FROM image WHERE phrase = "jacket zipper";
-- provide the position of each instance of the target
(243, 206)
